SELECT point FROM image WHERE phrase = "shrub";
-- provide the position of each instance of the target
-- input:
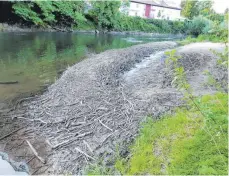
(50, 12)
(199, 25)
(128, 23)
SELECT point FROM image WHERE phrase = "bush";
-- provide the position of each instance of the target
(128, 23)
(163, 25)
(50, 12)
(167, 26)
(199, 25)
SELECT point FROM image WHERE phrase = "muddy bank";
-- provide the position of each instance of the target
(4, 27)
(97, 104)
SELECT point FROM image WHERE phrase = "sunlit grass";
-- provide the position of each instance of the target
(183, 143)
(200, 38)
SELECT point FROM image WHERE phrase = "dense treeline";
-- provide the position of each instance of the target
(105, 16)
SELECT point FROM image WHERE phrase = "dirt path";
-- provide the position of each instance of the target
(97, 104)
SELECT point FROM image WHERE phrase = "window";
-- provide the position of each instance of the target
(136, 13)
(137, 5)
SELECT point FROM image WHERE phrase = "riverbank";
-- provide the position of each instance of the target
(98, 104)
(97, 94)
(4, 27)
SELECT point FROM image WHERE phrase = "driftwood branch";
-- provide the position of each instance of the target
(88, 146)
(105, 125)
(88, 156)
(9, 82)
(7, 135)
(35, 152)
(67, 141)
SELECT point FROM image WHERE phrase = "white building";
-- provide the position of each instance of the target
(158, 9)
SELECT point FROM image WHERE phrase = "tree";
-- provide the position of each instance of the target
(104, 13)
(192, 8)
(189, 8)
(125, 4)
(43, 13)
(205, 7)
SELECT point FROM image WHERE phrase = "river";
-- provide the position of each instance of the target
(34, 60)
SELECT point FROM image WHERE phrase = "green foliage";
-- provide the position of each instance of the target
(199, 25)
(212, 31)
(205, 7)
(43, 13)
(189, 8)
(127, 23)
(220, 30)
(223, 57)
(192, 8)
(166, 26)
(206, 153)
(24, 10)
(104, 13)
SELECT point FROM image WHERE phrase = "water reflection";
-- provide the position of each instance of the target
(35, 59)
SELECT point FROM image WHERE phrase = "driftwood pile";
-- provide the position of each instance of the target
(99, 102)
(90, 109)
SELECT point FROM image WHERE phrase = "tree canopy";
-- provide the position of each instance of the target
(105, 13)
(192, 8)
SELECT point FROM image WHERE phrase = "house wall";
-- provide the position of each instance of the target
(166, 13)
(137, 9)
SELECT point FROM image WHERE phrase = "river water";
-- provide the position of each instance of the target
(37, 59)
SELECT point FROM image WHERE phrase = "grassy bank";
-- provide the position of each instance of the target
(183, 143)
(202, 38)
(191, 140)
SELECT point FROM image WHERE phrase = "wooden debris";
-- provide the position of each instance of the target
(9, 82)
(35, 152)
(105, 125)
(88, 146)
(88, 156)
(7, 135)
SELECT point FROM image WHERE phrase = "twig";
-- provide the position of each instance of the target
(88, 146)
(35, 152)
(31, 120)
(67, 141)
(9, 82)
(10, 133)
(36, 170)
(84, 153)
(105, 125)
(30, 159)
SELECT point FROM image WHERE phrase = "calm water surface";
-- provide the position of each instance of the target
(37, 59)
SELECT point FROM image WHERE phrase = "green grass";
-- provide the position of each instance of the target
(183, 143)
(201, 38)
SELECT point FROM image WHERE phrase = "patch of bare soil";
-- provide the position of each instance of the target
(95, 105)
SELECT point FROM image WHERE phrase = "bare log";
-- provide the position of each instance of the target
(88, 156)
(35, 152)
(9, 82)
(105, 125)
(7, 135)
